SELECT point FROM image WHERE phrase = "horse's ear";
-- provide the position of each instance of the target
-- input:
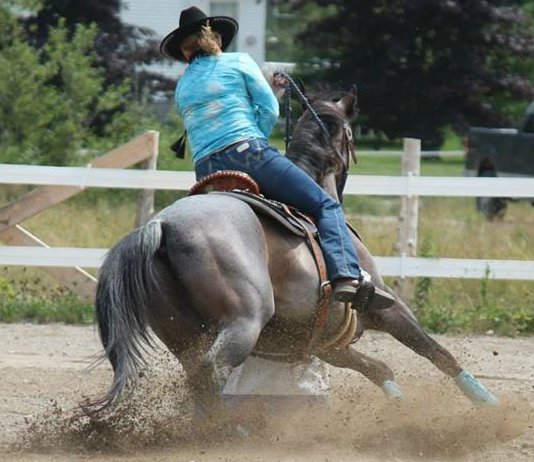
(349, 102)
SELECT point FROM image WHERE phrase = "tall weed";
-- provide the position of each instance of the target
(26, 300)
(452, 228)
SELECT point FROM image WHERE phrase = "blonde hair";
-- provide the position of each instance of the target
(205, 39)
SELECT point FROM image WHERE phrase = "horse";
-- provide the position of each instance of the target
(216, 282)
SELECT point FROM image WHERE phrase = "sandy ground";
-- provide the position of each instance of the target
(43, 375)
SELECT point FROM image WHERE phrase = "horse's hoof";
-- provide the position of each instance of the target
(242, 431)
(474, 390)
(234, 430)
(392, 390)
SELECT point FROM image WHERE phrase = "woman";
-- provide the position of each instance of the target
(229, 111)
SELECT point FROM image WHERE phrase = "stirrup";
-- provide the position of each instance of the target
(364, 296)
(346, 291)
(381, 300)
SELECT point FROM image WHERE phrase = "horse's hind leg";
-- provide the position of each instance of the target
(208, 373)
(376, 371)
(234, 342)
(399, 322)
(235, 313)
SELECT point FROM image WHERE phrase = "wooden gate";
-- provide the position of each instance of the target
(143, 149)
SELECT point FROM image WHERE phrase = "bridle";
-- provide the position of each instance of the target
(347, 141)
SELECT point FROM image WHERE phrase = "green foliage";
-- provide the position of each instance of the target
(423, 66)
(423, 286)
(284, 23)
(7, 292)
(68, 310)
(50, 97)
(119, 47)
(441, 313)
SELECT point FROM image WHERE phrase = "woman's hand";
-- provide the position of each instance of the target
(279, 81)
(279, 84)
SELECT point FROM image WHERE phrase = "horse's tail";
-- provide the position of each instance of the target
(126, 280)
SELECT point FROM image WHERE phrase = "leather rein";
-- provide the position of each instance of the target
(347, 143)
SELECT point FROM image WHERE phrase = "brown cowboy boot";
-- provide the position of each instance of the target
(363, 294)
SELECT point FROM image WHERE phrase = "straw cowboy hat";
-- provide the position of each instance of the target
(191, 20)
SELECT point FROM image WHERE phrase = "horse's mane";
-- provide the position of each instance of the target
(309, 147)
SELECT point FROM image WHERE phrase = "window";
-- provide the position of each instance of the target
(225, 9)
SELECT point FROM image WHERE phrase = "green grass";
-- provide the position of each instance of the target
(33, 299)
(370, 164)
(451, 227)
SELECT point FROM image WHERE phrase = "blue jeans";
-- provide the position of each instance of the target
(281, 180)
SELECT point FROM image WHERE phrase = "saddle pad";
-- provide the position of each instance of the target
(276, 210)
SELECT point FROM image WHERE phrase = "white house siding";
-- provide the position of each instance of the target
(162, 16)
(251, 36)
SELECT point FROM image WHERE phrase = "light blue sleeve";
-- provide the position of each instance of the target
(263, 98)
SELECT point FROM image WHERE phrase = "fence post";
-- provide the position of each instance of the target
(408, 217)
(145, 199)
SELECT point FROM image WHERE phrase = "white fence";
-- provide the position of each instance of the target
(371, 185)
(356, 184)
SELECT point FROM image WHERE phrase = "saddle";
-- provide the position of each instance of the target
(241, 186)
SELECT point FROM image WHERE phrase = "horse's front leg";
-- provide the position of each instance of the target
(376, 371)
(400, 322)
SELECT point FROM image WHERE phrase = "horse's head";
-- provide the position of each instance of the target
(322, 143)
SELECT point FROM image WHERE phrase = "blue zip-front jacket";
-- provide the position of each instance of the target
(224, 99)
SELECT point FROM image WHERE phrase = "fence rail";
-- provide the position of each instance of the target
(64, 257)
(373, 185)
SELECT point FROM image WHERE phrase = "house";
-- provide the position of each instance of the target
(162, 16)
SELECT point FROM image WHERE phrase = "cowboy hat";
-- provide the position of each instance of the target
(191, 20)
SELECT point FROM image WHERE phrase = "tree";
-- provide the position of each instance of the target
(120, 48)
(49, 97)
(421, 65)
(284, 22)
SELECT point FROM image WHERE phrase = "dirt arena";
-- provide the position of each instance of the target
(43, 375)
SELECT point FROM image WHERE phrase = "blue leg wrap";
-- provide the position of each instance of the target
(392, 390)
(474, 390)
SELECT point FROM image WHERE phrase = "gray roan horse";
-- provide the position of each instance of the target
(216, 283)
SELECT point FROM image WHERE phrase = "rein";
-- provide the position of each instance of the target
(290, 86)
